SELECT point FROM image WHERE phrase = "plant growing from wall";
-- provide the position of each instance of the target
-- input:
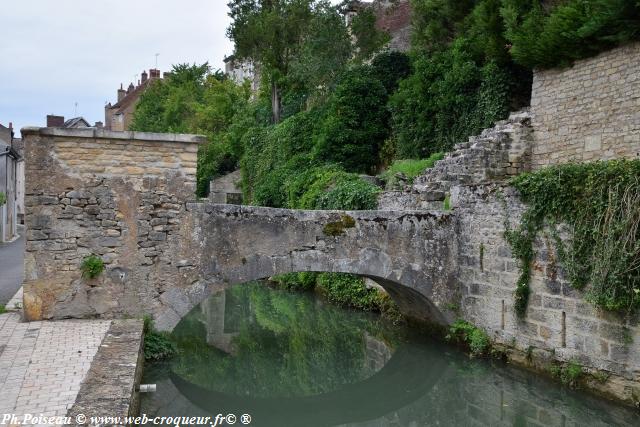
(599, 206)
(3, 198)
(475, 338)
(92, 266)
(157, 345)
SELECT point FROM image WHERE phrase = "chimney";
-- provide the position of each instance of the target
(145, 76)
(121, 93)
(99, 125)
(130, 88)
(154, 73)
(55, 121)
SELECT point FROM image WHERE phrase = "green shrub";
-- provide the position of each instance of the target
(350, 194)
(600, 204)
(474, 337)
(92, 266)
(157, 345)
(329, 187)
(3, 309)
(3, 198)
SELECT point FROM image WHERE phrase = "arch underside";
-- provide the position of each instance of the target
(408, 285)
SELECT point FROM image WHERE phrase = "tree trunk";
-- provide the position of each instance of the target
(276, 102)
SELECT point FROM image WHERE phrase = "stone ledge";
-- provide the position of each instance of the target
(109, 389)
(105, 134)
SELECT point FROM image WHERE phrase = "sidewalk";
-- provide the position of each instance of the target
(43, 364)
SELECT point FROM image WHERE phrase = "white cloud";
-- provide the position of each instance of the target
(56, 53)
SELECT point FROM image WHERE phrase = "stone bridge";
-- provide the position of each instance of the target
(124, 197)
(409, 253)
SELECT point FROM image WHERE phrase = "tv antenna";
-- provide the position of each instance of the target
(75, 111)
(157, 54)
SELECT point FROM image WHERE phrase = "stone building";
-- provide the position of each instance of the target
(11, 178)
(118, 117)
(239, 71)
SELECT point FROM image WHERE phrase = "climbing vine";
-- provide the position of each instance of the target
(593, 212)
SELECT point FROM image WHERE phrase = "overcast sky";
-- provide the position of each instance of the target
(56, 53)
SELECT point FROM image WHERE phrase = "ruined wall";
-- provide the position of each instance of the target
(118, 195)
(589, 111)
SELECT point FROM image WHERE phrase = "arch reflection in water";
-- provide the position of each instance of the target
(291, 360)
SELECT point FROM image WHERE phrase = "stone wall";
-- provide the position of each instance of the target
(559, 323)
(118, 195)
(589, 111)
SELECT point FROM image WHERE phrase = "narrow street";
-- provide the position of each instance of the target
(11, 268)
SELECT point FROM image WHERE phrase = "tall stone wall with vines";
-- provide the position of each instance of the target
(559, 322)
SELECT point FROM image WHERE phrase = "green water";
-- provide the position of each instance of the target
(289, 359)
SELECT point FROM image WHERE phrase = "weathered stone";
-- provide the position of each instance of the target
(109, 242)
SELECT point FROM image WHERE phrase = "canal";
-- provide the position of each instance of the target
(291, 359)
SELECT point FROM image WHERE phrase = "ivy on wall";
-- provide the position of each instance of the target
(597, 205)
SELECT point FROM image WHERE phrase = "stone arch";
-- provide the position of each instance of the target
(407, 255)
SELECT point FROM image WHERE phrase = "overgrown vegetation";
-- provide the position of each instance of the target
(599, 246)
(475, 338)
(556, 33)
(3, 309)
(569, 374)
(408, 168)
(343, 289)
(92, 266)
(157, 345)
(3, 198)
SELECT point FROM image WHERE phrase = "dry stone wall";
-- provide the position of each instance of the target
(118, 195)
(589, 111)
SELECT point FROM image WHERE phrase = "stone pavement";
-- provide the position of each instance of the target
(42, 364)
(11, 267)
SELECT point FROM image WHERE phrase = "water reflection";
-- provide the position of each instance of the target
(290, 360)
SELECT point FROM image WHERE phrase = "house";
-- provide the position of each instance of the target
(77, 122)
(11, 184)
(118, 117)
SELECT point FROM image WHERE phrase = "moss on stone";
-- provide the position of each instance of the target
(337, 228)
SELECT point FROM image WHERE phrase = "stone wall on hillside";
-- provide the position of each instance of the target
(118, 195)
(589, 111)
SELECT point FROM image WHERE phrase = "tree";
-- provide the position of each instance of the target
(356, 123)
(270, 32)
(195, 100)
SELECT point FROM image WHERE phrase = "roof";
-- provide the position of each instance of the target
(131, 97)
(76, 122)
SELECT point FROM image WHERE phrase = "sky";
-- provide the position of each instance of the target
(54, 54)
